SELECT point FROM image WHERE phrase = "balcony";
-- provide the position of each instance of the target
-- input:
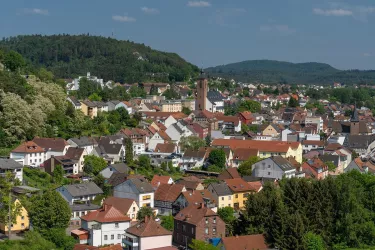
(130, 240)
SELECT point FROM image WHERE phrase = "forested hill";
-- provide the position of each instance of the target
(267, 71)
(124, 61)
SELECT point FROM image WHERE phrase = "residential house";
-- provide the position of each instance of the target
(74, 101)
(165, 195)
(21, 223)
(315, 168)
(167, 148)
(158, 137)
(274, 167)
(127, 206)
(78, 155)
(138, 189)
(241, 155)
(79, 193)
(361, 144)
(147, 234)
(109, 149)
(115, 168)
(128, 107)
(229, 173)
(82, 234)
(177, 130)
(191, 183)
(171, 106)
(28, 154)
(52, 146)
(105, 226)
(214, 101)
(197, 222)
(361, 165)
(271, 130)
(90, 108)
(194, 197)
(114, 104)
(246, 117)
(10, 165)
(265, 148)
(229, 124)
(254, 241)
(85, 142)
(79, 210)
(192, 159)
(240, 190)
(201, 129)
(69, 165)
(163, 115)
(161, 179)
(308, 145)
(222, 193)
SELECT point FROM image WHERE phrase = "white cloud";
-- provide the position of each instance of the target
(366, 54)
(36, 11)
(127, 19)
(198, 4)
(332, 12)
(150, 10)
(279, 28)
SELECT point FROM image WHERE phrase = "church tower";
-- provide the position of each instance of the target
(201, 92)
(354, 122)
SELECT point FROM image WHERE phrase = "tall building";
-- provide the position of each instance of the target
(354, 122)
(201, 93)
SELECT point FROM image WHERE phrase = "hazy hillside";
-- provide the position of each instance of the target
(108, 58)
(267, 71)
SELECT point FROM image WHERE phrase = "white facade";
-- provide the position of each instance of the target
(29, 159)
(138, 148)
(315, 120)
(169, 121)
(74, 85)
(71, 199)
(285, 133)
(155, 140)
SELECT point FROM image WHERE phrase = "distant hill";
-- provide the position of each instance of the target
(273, 72)
(111, 59)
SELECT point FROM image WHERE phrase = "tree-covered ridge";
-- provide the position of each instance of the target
(268, 71)
(124, 61)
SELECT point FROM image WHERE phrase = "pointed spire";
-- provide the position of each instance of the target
(354, 117)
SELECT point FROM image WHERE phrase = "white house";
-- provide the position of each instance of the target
(81, 193)
(52, 146)
(105, 226)
(114, 104)
(10, 165)
(74, 85)
(137, 189)
(214, 101)
(274, 167)
(169, 121)
(138, 148)
(115, 168)
(28, 154)
(85, 142)
(158, 137)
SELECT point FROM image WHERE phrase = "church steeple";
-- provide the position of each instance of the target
(354, 117)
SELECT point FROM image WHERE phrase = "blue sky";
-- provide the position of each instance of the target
(213, 32)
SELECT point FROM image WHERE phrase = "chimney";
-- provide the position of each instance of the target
(105, 207)
(202, 205)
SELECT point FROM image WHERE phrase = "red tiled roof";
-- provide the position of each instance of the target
(161, 126)
(165, 148)
(255, 241)
(121, 204)
(195, 197)
(28, 147)
(266, 146)
(55, 144)
(159, 179)
(234, 119)
(333, 146)
(239, 185)
(164, 135)
(244, 154)
(176, 115)
(310, 142)
(247, 115)
(168, 192)
(148, 228)
(194, 214)
(106, 214)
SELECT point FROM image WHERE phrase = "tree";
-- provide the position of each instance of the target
(49, 210)
(60, 239)
(201, 245)
(293, 102)
(93, 164)
(214, 168)
(227, 215)
(128, 151)
(217, 157)
(167, 222)
(144, 161)
(45, 75)
(13, 61)
(143, 212)
(153, 90)
(186, 110)
(191, 142)
(249, 105)
(330, 165)
(58, 174)
(94, 97)
(10, 209)
(313, 241)
(245, 168)
(208, 140)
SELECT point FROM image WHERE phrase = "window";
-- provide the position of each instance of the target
(214, 221)
(222, 198)
(105, 237)
(206, 230)
(22, 217)
(133, 216)
(214, 230)
(236, 195)
(146, 197)
(119, 236)
(116, 225)
(269, 173)
(112, 237)
(206, 221)
(183, 228)
(22, 225)
(133, 209)
(245, 195)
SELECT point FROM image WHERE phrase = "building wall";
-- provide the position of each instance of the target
(154, 141)
(22, 222)
(125, 190)
(110, 229)
(133, 210)
(155, 242)
(240, 198)
(171, 107)
(201, 97)
(270, 131)
(267, 168)
(146, 199)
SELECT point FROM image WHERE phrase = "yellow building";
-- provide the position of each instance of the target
(90, 109)
(222, 193)
(22, 221)
(171, 106)
(270, 130)
(240, 190)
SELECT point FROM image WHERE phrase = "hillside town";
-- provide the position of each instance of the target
(167, 182)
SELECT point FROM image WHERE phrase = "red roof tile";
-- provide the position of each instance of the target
(148, 228)
(165, 148)
(168, 192)
(267, 146)
(255, 241)
(121, 204)
(193, 214)
(160, 179)
(28, 147)
(239, 185)
(106, 214)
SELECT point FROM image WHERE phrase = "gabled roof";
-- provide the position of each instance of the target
(221, 188)
(142, 185)
(255, 241)
(84, 141)
(148, 228)
(6, 163)
(74, 153)
(311, 142)
(214, 96)
(117, 178)
(266, 146)
(229, 173)
(247, 115)
(283, 163)
(82, 189)
(168, 192)
(165, 148)
(238, 185)
(160, 179)
(164, 135)
(121, 167)
(196, 197)
(53, 144)
(28, 147)
(106, 214)
(121, 204)
(243, 154)
(193, 214)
